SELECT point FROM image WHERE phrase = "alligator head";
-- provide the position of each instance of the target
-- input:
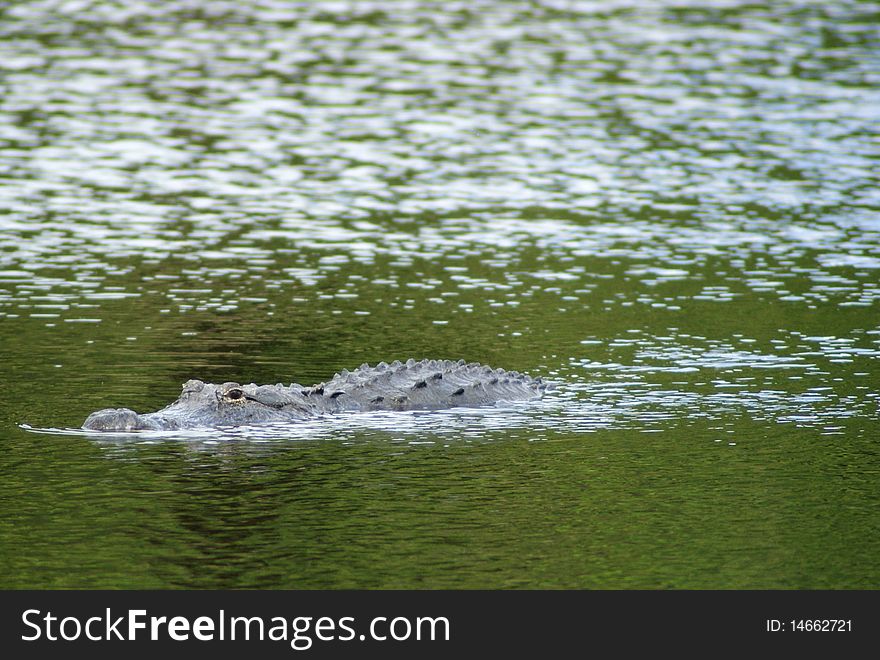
(205, 404)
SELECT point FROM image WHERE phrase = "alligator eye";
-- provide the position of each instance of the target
(235, 395)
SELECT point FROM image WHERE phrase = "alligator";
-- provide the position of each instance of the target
(410, 385)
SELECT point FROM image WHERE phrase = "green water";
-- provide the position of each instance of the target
(670, 209)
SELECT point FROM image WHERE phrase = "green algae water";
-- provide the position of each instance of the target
(669, 209)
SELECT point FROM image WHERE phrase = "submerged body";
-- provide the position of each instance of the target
(413, 385)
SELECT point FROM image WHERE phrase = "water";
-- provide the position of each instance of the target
(669, 208)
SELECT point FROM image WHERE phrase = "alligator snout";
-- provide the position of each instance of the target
(112, 419)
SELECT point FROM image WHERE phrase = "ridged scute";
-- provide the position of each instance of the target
(431, 384)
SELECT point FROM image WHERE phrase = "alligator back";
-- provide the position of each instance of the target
(428, 384)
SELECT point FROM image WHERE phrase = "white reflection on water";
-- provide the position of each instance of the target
(637, 131)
